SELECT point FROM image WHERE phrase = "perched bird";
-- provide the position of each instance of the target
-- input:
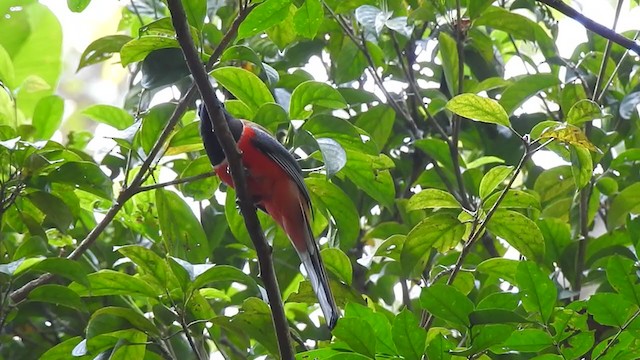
(275, 182)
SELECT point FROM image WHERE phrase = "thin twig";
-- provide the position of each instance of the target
(601, 30)
(176, 182)
(234, 158)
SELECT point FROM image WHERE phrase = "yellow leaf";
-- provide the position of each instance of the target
(569, 134)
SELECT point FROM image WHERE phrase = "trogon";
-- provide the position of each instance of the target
(276, 185)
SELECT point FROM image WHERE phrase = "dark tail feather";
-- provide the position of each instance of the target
(320, 284)
(317, 274)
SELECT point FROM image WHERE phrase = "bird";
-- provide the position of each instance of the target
(276, 185)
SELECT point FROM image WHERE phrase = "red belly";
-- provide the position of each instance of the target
(266, 180)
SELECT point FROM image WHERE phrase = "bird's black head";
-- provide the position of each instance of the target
(209, 139)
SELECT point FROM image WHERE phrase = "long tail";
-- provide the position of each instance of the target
(318, 275)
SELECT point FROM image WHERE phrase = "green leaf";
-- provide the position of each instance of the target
(378, 122)
(342, 131)
(581, 166)
(442, 231)
(36, 52)
(185, 140)
(110, 115)
(527, 340)
(494, 178)
(134, 318)
(449, 55)
(515, 199)
(7, 73)
(625, 203)
(108, 282)
(495, 316)
(478, 108)
(409, 337)
(569, 134)
(583, 111)
(437, 149)
(77, 6)
(69, 269)
(47, 116)
(222, 273)
(524, 88)
(330, 197)
(484, 160)
(308, 18)
(310, 94)
(55, 210)
(196, 10)
(378, 322)
(152, 125)
(357, 334)
(519, 231)
(337, 263)
(370, 174)
(241, 52)
(270, 115)
(432, 198)
(578, 345)
(477, 7)
(181, 231)
(62, 350)
(333, 155)
(499, 267)
(137, 49)
(202, 189)
(151, 264)
(485, 336)
(538, 291)
(255, 320)
(283, 33)
(131, 347)
(621, 274)
(518, 26)
(102, 49)
(264, 16)
(163, 67)
(85, 176)
(244, 85)
(57, 294)
(447, 303)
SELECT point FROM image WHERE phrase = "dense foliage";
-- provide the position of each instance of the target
(442, 237)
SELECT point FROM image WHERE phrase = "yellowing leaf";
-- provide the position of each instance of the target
(569, 134)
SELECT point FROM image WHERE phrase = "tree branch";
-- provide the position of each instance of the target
(22, 292)
(236, 168)
(601, 30)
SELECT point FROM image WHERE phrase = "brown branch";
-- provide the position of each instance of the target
(236, 168)
(22, 292)
(601, 30)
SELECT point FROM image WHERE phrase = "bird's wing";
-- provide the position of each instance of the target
(269, 146)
